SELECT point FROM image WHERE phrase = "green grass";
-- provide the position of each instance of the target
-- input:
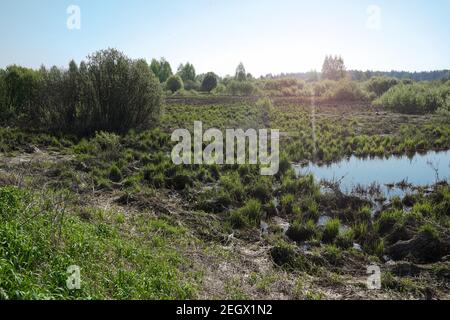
(299, 231)
(132, 255)
(331, 230)
(248, 215)
(38, 243)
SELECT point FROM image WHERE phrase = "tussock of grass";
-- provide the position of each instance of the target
(331, 230)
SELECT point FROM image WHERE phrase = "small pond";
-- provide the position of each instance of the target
(416, 170)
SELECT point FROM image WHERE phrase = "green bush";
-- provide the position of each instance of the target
(379, 85)
(161, 69)
(174, 83)
(19, 88)
(108, 92)
(233, 186)
(190, 85)
(346, 91)
(241, 88)
(237, 221)
(5, 114)
(415, 98)
(209, 82)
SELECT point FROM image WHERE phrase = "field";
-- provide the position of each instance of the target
(142, 228)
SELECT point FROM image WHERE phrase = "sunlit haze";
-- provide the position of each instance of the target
(267, 36)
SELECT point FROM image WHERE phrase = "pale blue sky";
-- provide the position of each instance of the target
(269, 36)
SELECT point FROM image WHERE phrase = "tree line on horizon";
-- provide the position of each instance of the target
(111, 92)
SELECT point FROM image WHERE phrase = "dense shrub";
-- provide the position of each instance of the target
(108, 92)
(241, 88)
(346, 91)
(18, 87)
(333, 68)
(320, 88)
(10, 202)
(286, 87)
(186, 72)
(209, 82)
(161, 69)
(4, 114)
(241, 75)
(191, 85)
(174, 83)
(415, 98)
(380, 85)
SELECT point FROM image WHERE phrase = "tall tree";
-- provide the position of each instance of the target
(333, 68)
(161, 69)
(209, 82)
(241, 75)
(186, 72)
(166, 71)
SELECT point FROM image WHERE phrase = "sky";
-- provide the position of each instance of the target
(268, 36)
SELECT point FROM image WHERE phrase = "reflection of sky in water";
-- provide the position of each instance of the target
(353, 171)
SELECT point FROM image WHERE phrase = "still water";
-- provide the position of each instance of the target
(417, 170)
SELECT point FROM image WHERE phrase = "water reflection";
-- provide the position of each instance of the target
(387, 176)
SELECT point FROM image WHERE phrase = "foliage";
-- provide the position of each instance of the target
(174, 83)
(191, 85)
(19, 88)
(249, 214)
(209, 82)
(39, 242)
(346, 91)
(240, 74)
(161, 69)
(299, 231)
(241, 88)
(333, 68)
(379, 85)
(415, 98)
(108, 92)
(186, 72)
(331, 230)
